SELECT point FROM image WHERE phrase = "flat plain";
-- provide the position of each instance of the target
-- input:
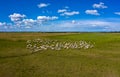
(103, 60)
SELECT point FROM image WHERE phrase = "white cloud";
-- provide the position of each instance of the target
(66, 7)
(62, 10)
(2, 24)
(16, 17)
(29, 22)
(94, 23)
(70, 13)
(42, 5)
(5, 26)
(117, 13)
(100, 5)
(65, 25)
(92, 12)
(67, 12)
(73, 21)
(86, 25)
(20, 22)
(46, 18)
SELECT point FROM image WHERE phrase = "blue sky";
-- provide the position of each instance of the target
(60, 15)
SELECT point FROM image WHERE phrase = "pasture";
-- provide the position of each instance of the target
(102, 60)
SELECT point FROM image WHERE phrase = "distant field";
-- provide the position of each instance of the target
(101, 61)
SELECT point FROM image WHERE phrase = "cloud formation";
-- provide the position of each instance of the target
(16, 17)
(21, 23)
(117, 13)
(2, 24)
(100, 5)
(86, 25)
(92, 12)
(65, 25)
(67, 12)
(42, 5)
(62, 10)
(46, 18)
(43, 22)
(70, 13)
(29, 21)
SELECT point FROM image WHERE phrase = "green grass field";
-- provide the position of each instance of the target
(101, 61)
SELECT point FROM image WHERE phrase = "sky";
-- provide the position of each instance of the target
(59, 15)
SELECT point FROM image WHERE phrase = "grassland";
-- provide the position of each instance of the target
(101, 61)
